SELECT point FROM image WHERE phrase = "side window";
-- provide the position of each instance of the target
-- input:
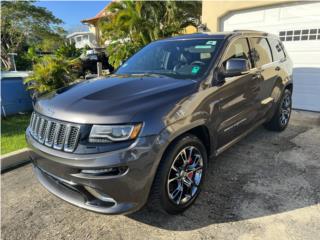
(277, 50)
(261, 51)
(238, 49)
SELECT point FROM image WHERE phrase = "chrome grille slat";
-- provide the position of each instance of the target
(53, 133)
(32, 121)
(34, 124)
(59, 137)
(48, 131)
(72, 139)
(41, 129)
(36, 132)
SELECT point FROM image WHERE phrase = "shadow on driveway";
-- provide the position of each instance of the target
(266, 173)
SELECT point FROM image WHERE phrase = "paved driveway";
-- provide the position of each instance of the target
(265, 187)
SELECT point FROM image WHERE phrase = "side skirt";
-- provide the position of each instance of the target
(237, 139)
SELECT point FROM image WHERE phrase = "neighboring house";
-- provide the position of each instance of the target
(93, 24)
(297, 24)
(82, 39)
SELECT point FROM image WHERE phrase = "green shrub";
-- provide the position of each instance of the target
(68, 50)
(50, 73)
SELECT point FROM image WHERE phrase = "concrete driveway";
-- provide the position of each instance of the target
(265, 187)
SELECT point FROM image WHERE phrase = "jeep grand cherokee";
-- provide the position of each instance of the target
(146, 132)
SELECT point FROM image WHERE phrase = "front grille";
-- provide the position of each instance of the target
(55, 134)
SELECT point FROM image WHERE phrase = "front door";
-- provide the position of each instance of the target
(237, 105)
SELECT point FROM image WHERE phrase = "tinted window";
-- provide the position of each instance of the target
(261, 51)
(238, 49)
(175, 58)
(277, 50)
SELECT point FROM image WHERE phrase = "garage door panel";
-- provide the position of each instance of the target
(304, 59)
(310, 102)
(306, 89)
(249, 18)
(305, 54)
(305, 11)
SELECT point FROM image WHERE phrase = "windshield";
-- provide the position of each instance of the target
(178, 58)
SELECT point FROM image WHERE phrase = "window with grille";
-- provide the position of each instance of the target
(300, 35)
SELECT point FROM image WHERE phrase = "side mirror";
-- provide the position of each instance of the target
(236, 67)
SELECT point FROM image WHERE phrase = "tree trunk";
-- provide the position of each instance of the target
(7, 63)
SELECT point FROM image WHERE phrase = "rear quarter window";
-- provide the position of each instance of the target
(277, 50)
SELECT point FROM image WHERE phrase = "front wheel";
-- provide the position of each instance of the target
(180, 176)
(282, 115)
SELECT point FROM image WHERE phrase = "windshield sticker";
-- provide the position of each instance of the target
(124, 65)
(205, 55)
(195, 69)
(212, 43)
(203, 46)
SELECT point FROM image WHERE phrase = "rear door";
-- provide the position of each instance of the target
(267, 71)
(237, 105)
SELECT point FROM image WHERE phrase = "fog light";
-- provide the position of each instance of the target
(105, 171)
(97, 171)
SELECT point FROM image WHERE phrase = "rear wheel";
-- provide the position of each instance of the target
(180, 176)
(282, 115)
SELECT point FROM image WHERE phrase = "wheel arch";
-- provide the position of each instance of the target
(199, 130)
(289, 86)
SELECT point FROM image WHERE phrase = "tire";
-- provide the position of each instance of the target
(281, 117)
(173, 169)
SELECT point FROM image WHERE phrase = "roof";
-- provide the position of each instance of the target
(218, 35)
(98, 16)
(78, 33)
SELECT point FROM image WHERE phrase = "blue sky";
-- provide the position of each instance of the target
(71, 12)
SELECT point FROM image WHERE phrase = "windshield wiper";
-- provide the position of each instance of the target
(167, 73)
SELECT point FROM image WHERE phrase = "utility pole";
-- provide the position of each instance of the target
(12, 55)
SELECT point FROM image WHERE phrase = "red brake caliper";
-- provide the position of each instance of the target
(190, 174)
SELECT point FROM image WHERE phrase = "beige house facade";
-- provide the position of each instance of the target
(214, 11)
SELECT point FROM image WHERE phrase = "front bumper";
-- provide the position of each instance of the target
(125, 192)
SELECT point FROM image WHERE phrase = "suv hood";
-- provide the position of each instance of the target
(115, 99)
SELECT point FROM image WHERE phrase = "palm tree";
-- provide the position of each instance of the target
(137, 23)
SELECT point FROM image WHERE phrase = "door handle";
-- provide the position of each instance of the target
(277, 68)
(257, 76)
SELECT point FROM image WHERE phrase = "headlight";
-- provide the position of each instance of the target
(113, 133)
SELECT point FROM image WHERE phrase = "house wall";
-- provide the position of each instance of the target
(190, 29)
(213, 11)
(86, 39)
(92, 29)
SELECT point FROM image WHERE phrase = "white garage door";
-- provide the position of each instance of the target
(299, 28)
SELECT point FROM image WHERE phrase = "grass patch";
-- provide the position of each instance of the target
(13, 132)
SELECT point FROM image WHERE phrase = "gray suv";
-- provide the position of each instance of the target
(145, 134)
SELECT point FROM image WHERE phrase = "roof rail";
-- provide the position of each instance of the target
(245, 30)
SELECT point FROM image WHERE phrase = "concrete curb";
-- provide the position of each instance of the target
(16, 158)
